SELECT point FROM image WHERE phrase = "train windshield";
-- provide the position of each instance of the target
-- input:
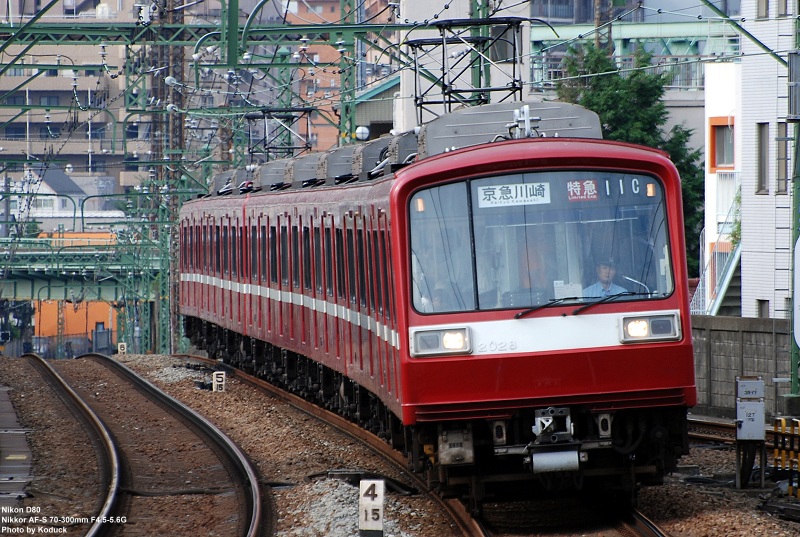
(530, 239)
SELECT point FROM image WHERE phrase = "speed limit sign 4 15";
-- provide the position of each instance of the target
(370, 508)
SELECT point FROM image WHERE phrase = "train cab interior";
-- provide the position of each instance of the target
(523, 240)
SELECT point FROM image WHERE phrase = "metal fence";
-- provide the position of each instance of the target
(73, 345)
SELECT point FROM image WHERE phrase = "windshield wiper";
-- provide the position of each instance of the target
(551, 302)
(604, 299)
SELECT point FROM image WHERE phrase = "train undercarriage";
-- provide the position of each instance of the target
(537, 450)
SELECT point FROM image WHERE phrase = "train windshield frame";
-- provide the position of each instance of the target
(528, 239)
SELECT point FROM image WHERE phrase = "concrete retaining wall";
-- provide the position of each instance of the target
(730, 347)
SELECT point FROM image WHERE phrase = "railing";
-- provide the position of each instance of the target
(717, 271)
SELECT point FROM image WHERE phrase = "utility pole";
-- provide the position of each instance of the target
(602, 28)
(793, 115)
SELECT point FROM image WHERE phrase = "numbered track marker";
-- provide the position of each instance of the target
(370, 508)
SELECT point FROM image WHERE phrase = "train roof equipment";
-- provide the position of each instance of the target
(466, 127)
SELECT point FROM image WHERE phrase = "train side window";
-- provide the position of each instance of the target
(306, 258)
(186, 252)
(273, 254)
(362, 264)
(317, 260)
(254, 252)
(263, 252)
(217, 251)
(388, 288)
(204, 249)
(340, 279)
(328, 262)
(351, 266)
(295, 257)
(186, 241)
(234, 249)
(378, 271)
(198, 247)
(284, 255)
(225, 249)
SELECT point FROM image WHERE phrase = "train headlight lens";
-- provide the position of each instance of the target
(453, 341)
(651, 328)
(637, 328)
(433, 342)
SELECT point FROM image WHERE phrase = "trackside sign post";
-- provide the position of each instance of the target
(370, 508)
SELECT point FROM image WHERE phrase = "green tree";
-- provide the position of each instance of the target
(631, 109)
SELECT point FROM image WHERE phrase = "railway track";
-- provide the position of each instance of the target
(630, 525)
(455, 509)
(712, 430)
(164, 469)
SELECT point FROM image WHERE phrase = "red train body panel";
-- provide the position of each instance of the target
(456, 294)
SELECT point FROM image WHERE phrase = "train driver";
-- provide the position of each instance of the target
(604, 286)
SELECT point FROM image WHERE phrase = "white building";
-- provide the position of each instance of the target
(749, 142)
(765, 157)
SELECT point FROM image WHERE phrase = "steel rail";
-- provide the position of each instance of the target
(242, 464)
(456, 510)
(110, 450)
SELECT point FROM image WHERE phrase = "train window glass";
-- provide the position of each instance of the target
(362, 264)
(547, 236)
(186, 258)
(234, 250)
(306, 258)
(284, 255)
(351, 266)
(340, 279)
(253, 252)
(225, 249)
(198, 247)
(204, 250)
(318, 259)
(384, 264)
(377, 284)
(263, 253)
(442, 273)
(217, 251)
(186, 241)
(273, 254)
(328, 262)
(295, 257)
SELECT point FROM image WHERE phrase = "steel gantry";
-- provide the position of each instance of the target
(162, 82)
(141, 262)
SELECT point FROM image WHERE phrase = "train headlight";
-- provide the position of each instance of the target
(444, 341)
(651, 328)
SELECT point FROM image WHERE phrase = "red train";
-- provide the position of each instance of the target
(499, 309)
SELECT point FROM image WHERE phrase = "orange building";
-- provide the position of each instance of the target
(80, 316)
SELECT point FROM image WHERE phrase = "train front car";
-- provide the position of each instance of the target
(547, 314)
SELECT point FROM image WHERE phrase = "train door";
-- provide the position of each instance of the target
(385, 329)
(226, 269)
(251, 253)
(296, 328)
(349, 333)
(185, 242)
(216, 295)
(205, 281)
(363, 299)
(375, 355)
(318, 291)
(306, 284)
(329, 318)
(342, 345)
(193, 285)
(263, 281)
(378, 351)
(284, 311)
